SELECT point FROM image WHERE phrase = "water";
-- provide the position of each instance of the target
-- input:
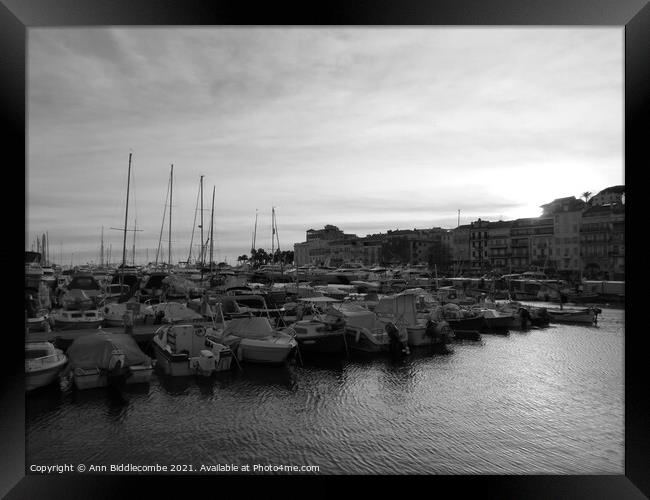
(545, 401)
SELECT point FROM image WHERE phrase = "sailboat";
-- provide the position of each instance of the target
(126, 275)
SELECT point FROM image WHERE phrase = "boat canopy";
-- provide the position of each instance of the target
(398, 307)
(255, 327)
(95, 350)
(357, 316)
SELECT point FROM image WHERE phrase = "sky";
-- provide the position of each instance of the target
(368, 129)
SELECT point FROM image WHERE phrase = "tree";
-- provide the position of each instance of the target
(586, 195)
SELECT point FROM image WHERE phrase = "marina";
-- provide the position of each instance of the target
(541, 401)
(189, 300)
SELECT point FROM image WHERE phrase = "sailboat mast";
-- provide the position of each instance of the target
(135, 228)
(212, 232)
(101, 250)
(201, 224)
(162, 226)
(189, 256)
(272, 232)
(126, 214)
(171, 188)
(254, 231)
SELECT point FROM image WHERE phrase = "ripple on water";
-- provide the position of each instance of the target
(545, 401)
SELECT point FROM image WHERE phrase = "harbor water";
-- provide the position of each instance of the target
(541, 401)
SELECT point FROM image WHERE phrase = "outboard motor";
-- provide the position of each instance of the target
(524, 317)
(397, 346)
(207, 363)
(118, 372)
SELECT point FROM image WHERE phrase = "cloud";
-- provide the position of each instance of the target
(365, 128)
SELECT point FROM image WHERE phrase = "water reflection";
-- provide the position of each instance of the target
(545, 400)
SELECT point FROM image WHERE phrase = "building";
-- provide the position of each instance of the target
(530, 242)
(498, 246)
(565, 248)
(331, 246)
(460, 249)
(478, 236)
(602, 242)
(609, 196)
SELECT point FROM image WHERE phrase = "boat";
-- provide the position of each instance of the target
(116, 292)
(254, 339)
(171, 312)
(184, 349)
(83, 290)
(75, 319)
(318, 332)
(102, 359)
(498, 321)
(113, 313)
(586, 316)
(43, 363)
(401, 309)
(38, 323)
(366, 333)
(461, 320)
(528, 315)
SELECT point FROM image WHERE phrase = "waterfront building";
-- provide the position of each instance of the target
(498, 246)
(565, 249)
(609, 196)
(531, 239)
(460, 249)
(478, 235)
(571, 237)
(602, 242)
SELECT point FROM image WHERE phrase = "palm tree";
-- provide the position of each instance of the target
(586, 195)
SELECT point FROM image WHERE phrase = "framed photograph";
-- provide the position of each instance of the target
(384, 241)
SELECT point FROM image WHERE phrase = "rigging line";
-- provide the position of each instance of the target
(196, 207)
(162, 226)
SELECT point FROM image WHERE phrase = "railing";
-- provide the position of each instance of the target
(40, 362)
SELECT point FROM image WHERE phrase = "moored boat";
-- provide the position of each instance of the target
(254, 339)
(320, 335)
(43, 363)
(75, 319)
(367, 333)
(585, 316)
(102, 359)
(185, 349)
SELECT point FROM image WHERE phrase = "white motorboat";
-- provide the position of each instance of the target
(39, 323)
(401, 310)
(184, 349)
(43, 363)
(114, 313)
(102, 359)
(254, 339)
(75, 319)
(585, 316)
(366, 332)
(171, 312)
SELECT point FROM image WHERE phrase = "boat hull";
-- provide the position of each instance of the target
(41, 378)
(418, 336)
(327, 343)
(586, 318)
(181, 365)
(499, 325)
(259, 351)
(90, 379)
(465, 323)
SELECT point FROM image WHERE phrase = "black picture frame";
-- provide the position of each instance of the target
(18, 15)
